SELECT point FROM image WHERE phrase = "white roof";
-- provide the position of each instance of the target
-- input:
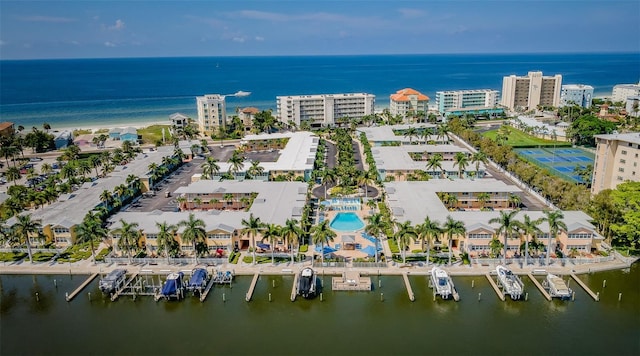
(386, 134)
(398, 158)
(631, 137)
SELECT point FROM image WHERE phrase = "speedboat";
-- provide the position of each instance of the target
(173, 287)
(307, 283)
(110, 283)
(557, 287)
(511, 283)
(441, 282)
(198, 280)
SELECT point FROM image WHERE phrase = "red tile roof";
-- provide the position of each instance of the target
(250, 110)
(404, 94)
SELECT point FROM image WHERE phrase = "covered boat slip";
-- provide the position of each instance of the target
(173, 287)
(306, 283)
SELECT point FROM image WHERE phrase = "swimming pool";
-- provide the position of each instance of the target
(346, 222)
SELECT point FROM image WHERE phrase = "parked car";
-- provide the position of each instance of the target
(35, 159)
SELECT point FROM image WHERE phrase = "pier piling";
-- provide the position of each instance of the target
(479, 296)
(619, 296)
(382, 297)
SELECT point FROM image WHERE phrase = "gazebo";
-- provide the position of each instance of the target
(349, 242)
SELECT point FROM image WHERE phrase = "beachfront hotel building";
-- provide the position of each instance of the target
(530, 91)
(212, 113)
(622, 91)
(576, 94)
(617, 161)
(481, 101)
(407, 102)
(323, 110)
(222, 206)
(413, 201)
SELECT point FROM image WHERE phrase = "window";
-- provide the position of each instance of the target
(620, 169)
(151, 236)
(624, 152)
(619, 178)
(623, 161)
(582, 235)
(479, 236)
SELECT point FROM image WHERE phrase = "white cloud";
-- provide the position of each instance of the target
(411, 13)
(109, 44)
(239, 39)
(119, 25)
(40, 18)
(259, 38)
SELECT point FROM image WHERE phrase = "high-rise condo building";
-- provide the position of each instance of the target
(576, 94)
(622, 91)
(323, 109)
(526, 93)
(617, 160)
(212, 113)
(407, 102)
(459, 100)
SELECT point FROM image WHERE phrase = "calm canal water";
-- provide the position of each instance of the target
(351, 323)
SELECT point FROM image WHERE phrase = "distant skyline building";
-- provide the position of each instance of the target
(212, 113)
(576, 94)
(466, 100)
(323, 109)
(617, 161)
(526, 93)
(408, 101)
(622, 91)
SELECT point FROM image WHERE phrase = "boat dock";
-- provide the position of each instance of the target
(206, 291)
(252, 287)
(495, 287)
(540, 287)
(593, 295)
(73, 294)
(412, 297)
(115, 295)
(351, 281)
(294, 289)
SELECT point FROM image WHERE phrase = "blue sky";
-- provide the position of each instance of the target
(99, 29)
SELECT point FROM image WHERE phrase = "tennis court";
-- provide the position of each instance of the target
(559, 161)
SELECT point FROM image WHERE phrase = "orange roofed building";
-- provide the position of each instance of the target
(408, 102)
(247, 115)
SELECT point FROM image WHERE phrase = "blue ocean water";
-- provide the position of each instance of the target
(77, 92)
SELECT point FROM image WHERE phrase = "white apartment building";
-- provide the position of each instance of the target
(323, 109)
(452, 100)
(408, 101)
(212, 113)
(617, 160)
(632, 106)
(622, 91)
(576, 94)
(526, 93)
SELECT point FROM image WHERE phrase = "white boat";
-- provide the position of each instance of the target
(557, 287)
(441, 282)
(307, 283)
(112, 281)
(511, 283)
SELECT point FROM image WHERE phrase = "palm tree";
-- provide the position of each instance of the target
(453, 227)
(477, 158)
(411, 132)
(210, 168)
(129, 236)
(106, 197)
(194, 232)
(529, 228)
(483, 198)
(90, 229)
(434, 162)
(508, 227)
(554, 219)
(514, 200)
(236, 162)
(461, 160)
(252, 227)
(376, 226)
(365, 178)
(403, 235)
(443, 132)
(166, 237)
(25, 227)
(255, 170)
(271, 233)
(329, 176)
(291, 232)
(322, 234)
(428, 231)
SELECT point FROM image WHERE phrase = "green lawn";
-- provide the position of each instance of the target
(518, 138)
(153, 133)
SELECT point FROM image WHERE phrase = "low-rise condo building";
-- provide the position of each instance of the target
(457, 102)
(321, 110)
(212, 113)
(407, 102)
(633, 106)
(617, 161)
(396, 135)
(530, 91)
(576, 94)
(622, 91)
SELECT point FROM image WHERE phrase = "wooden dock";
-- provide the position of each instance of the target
(252, 287)
(537, 284)
(206, 291)
(495, 287)
(115, 295)
(412, 297)
(585, 287)
(351, 281)
(294, 290)
(73, 294)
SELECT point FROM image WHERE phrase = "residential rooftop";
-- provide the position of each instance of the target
(631, 137)
(386, 134)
